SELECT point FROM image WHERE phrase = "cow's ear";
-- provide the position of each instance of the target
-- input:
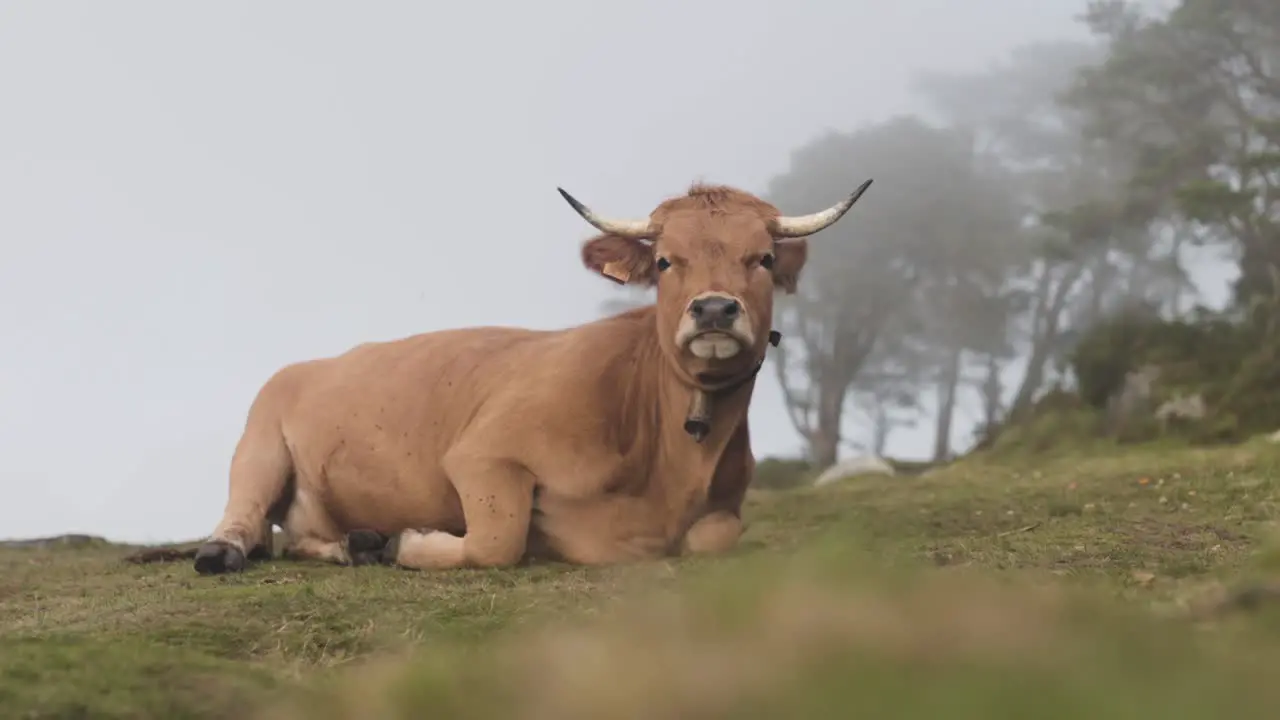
(625, 261)
(788, 260)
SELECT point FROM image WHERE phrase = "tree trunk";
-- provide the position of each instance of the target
(991, 392)
(1031, 380)
(1260, 258)
(1102, 274)
(824, 445)
(1175, 258)
(830, 372)
(880, 430)
(947, 385)
(1044, 331)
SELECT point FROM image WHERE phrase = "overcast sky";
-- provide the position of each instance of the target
(195, 194)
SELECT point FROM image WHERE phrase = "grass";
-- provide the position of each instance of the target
(1054, 589)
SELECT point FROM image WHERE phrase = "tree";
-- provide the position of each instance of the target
(1197, 93)
(1086, 247)
(883, 287)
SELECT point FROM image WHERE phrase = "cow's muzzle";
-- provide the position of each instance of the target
(715, 312)
(715, 326)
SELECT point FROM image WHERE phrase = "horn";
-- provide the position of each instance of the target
(637, 229)
(797, 227)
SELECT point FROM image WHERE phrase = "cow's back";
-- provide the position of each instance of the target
(367, 428)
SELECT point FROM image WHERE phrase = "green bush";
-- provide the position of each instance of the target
(1192, 354)
(1234, 366)
(1108, 353)
(782, 473)
(1059, 421)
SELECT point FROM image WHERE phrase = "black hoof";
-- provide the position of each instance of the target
(391, 550)
(366, 547)
(217, 557)
(259, 552)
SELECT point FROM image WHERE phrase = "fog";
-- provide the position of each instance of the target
(193, 195)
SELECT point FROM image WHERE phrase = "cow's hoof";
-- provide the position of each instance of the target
(366, 547)
(217, 557)
(391, 550)
(260, 552)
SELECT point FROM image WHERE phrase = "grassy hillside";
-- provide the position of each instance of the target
(1087, 587)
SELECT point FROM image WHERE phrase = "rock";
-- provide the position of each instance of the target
(861, 465)
(1133, 397)
(1190, 407)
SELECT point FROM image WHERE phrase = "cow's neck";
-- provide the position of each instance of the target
(684, 466)
(677, 389)
(723, 406)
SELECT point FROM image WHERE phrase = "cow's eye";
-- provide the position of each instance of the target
(767, 261)
(663, 264)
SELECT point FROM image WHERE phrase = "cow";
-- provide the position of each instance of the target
(619, 440)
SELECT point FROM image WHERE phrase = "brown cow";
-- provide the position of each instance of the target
(618, 440)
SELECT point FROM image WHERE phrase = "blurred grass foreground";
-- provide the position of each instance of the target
(1130, 583)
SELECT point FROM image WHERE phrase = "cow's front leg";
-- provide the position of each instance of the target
(497, 502)
(719, 529)
(714, 533)
(606, 530)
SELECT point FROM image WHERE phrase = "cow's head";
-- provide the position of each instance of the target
(716, 255)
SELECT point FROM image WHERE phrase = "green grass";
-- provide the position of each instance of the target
(1061, 589)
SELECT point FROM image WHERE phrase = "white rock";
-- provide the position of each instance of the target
(861, 465)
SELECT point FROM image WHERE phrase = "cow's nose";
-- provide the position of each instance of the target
(715, 312)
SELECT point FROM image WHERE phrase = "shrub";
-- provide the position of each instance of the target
(1234, 366)
(782, 473)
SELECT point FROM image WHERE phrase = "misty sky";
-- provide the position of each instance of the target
(195, 194)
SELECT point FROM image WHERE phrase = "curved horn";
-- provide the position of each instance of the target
(800, 226)
(626, 228)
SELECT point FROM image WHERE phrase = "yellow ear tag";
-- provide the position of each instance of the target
(616, 271)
